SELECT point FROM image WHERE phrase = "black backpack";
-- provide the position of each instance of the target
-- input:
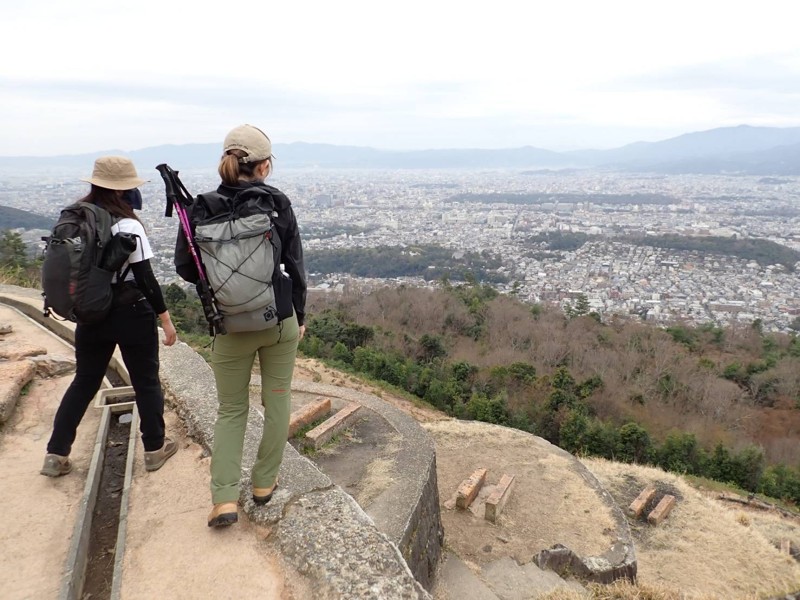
(80, 260)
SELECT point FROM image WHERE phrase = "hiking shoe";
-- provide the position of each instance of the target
(223, 515)
(154, 460)
(264, 495)
(56, 465)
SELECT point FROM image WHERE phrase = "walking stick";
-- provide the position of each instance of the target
(179, 198)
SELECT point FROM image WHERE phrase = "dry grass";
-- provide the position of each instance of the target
(379, 474)
(551, 503)
(377, 478)
(622, 590)
(705, 549)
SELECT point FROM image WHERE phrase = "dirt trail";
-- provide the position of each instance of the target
(38, 512)
(170, 551)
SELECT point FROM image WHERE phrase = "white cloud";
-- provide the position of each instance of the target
(92, 74)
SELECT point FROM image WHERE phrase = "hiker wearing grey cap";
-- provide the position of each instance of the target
(271, 332)
(130, 324)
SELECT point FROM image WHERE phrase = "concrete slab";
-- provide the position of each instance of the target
(456, 581)
(511, 581)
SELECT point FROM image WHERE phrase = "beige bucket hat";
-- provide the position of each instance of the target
(115, 173)
(251, 140)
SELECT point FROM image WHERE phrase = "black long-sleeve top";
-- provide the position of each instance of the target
(148, 285)
(285, 224)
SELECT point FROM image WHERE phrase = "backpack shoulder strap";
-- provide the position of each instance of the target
(101, 221)
(209, 206)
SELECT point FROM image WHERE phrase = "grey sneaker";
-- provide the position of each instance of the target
(154, 460)
(55, 465)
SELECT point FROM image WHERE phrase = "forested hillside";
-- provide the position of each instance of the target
(721, 403)
(12, 218)
(426, 261)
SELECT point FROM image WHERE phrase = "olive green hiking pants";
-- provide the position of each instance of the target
(232, 360)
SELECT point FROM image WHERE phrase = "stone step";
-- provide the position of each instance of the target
(323, 432)
(502, 579)
(14, 376)
(642, 500)
(511, 581)
(456, 580)
(662, 510)
(470, 487)
(308, 414)
(498, 498)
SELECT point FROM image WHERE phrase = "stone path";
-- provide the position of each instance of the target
(170, 551)
(38, 512)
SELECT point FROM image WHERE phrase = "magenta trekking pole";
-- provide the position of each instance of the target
(180, 198)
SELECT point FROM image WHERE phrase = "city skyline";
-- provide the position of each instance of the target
(422, 75)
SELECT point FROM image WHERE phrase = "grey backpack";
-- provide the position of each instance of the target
(241, 253)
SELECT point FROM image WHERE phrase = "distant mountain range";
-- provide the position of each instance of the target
(743, 150)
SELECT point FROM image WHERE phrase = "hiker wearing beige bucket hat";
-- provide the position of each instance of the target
(271, 332)
(114, 173)
(130, 324)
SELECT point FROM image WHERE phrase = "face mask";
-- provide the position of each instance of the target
(133, 197)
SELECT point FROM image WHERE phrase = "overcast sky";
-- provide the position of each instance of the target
(89, 75)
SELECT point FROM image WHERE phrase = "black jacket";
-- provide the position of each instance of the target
(285, 224)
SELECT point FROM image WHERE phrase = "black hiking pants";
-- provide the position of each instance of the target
(133, 328)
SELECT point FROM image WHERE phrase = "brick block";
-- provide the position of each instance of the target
(498, 498)
(308, 414)
(637, 506)
(325, 431)
(662, 509)
(469, 488)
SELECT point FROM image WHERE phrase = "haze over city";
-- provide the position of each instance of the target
(88, 76)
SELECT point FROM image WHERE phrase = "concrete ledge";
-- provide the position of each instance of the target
(316, 526)
(618, 562)
(102, 396)
(75, 572)
(122, 532)
(408, 510)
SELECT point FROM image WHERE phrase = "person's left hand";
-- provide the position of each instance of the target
(302, 332)
(170, 335)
